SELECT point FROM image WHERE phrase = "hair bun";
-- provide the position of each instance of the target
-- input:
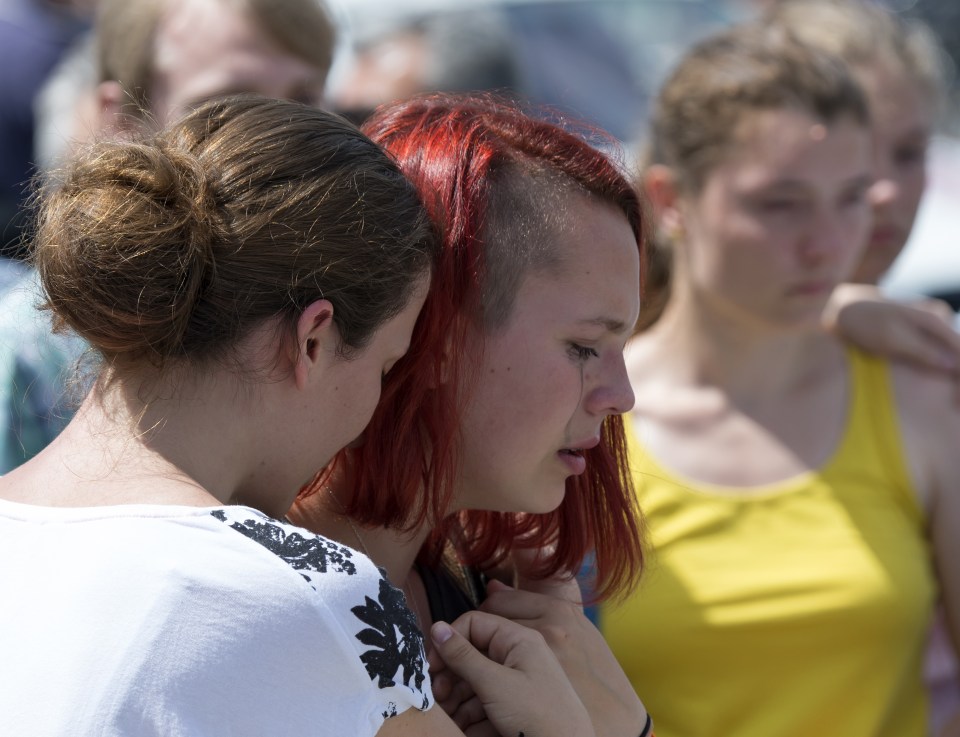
(126, 247)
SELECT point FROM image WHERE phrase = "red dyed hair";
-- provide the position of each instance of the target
(452, 148)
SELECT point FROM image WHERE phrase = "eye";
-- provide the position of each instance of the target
(780, 204)
(581, 353)
(909, 155)
(854, 197)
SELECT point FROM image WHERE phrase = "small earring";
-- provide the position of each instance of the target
(673, 233)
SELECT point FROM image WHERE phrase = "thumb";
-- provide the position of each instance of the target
(459, 655)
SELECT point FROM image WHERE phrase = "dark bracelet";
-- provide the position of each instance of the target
(647, 730)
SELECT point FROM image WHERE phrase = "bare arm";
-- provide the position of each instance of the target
(919, 332)
(931, 433)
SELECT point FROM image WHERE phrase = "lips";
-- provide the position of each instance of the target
(886, 236)
(573, 456)
(812, 288)
(573, 459)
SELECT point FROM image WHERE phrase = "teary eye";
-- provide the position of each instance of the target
(582, 353)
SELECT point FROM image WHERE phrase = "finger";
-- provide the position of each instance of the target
(505, 642)
(458, 649)
(938, 308)
(481, 729)
(525, 605)
(947, 340)
(563, 587)
(469, 713)
(458, 692)
(925, 343)
(442, 684)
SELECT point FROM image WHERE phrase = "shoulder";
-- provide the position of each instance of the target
(925, 396)
(366, 619)
(236, 623)
(313, 556)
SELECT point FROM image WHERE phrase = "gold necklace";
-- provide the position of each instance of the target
(406, 588)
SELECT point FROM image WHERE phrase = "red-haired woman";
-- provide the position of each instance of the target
(498, 437)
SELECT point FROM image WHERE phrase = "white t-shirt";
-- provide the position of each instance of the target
(146, 620)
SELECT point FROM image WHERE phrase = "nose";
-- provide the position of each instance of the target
(883, 192)
(612, 394)
(829, 235)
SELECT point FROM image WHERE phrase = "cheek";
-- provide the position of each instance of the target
(514, 398)
(913, 185)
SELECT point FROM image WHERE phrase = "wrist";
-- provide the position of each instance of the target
(647, 730)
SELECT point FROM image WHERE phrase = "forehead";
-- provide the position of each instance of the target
(898, 100)
(596, 277)
(793, 144)
(204, 48)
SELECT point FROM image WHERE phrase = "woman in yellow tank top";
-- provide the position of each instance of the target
(789, 483)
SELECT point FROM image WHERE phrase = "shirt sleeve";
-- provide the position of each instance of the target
(372, 650)
(385, 638)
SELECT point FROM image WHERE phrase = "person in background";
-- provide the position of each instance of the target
(156, 59)
(461, 51)
(793, 495)
(499, 437)
(900, 67)
(34, 34)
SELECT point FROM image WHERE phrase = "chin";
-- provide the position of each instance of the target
(548, 501)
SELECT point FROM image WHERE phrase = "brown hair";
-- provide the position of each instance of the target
(126, 30)
(175, 246)
(864, 34)
(748, 68)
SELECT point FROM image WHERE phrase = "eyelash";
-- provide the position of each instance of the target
(582, 353)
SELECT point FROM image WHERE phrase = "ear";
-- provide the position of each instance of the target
(660, 187)
(111, 119)
(317, 338)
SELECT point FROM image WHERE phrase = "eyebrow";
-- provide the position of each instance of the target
(860, 180)
(611, 325)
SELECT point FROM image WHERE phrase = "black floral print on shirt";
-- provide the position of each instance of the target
(392, 633)
(395, 639)
(314, 554)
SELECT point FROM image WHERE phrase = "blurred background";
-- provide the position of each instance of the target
(600, 61)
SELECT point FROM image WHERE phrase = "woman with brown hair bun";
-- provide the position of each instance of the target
(247, 276)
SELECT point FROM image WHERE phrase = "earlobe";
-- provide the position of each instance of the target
(316, 339)
(111, 119)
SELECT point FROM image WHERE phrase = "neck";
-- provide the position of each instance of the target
(393, 550)
(193, 449)
(696, 343)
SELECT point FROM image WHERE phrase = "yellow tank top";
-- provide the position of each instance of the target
(798, 611)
